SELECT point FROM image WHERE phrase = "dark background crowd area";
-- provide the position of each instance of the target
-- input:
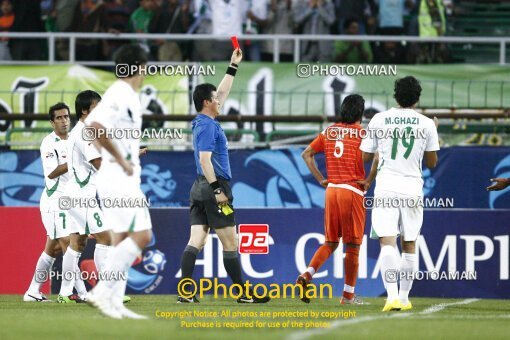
(424, 18)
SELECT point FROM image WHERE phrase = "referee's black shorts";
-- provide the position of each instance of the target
(204, 209)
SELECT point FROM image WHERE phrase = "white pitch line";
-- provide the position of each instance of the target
(338, 323)
(465, 317)
(441, 306)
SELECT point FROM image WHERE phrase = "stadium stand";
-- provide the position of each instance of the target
(479, 18)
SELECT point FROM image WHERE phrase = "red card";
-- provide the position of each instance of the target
(235, 42)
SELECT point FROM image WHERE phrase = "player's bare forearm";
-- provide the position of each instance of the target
(224, 88)
(110, 147)
(59, 170)
(227, 81)
(430, 159)
(106, 142)
(308, 157)
(208, 170)
(373, 169)
(365, 183)
(207, 167)
(367, 156)
(96, 163)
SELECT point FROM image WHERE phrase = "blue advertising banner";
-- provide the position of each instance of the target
(471, 244)
(274, 178)
(274, 187)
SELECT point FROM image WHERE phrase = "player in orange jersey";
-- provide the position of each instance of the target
(344, 213)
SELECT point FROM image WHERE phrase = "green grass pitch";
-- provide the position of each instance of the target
(430, 318)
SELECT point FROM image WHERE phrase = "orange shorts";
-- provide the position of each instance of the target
(344, 216)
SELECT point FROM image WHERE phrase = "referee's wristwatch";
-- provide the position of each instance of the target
(218, 191)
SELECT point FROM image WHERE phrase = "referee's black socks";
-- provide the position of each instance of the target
(189, 257)
(233, 266)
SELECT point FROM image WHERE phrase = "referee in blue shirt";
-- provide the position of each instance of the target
(211, 196)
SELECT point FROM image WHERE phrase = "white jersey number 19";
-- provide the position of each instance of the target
(408, 143)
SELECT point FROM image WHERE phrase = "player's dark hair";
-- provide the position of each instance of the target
(352, 109)
(407, 91)
(202, 92)
(56, 107)
(131, 54)
(83, 101)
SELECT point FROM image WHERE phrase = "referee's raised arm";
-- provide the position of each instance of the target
(228, 79)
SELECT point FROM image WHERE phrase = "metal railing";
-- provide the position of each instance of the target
(455, 97)
(51, 37)
(30, 138)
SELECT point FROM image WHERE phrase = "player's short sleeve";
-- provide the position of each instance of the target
(432, 138)
(206, 136)
(49, 157)
(369, 143)
(318, 143)
(88, 149)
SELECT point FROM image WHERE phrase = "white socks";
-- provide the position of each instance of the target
(100, 256)
(68, 260)
(78, 282)
(398, 255)
(70, 265)
(119, 290)
(389, 270)
(43, 266)
(119, 261)
(348, 289)
(408, 264)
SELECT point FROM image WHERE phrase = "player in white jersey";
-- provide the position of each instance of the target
(402, 137)
(56, 221)
(113, 121)
(83, 161)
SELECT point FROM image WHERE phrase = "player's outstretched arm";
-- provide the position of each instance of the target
(308, 157)
(108, 145)
(59, 170)
(500, 184)
(226, 84)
